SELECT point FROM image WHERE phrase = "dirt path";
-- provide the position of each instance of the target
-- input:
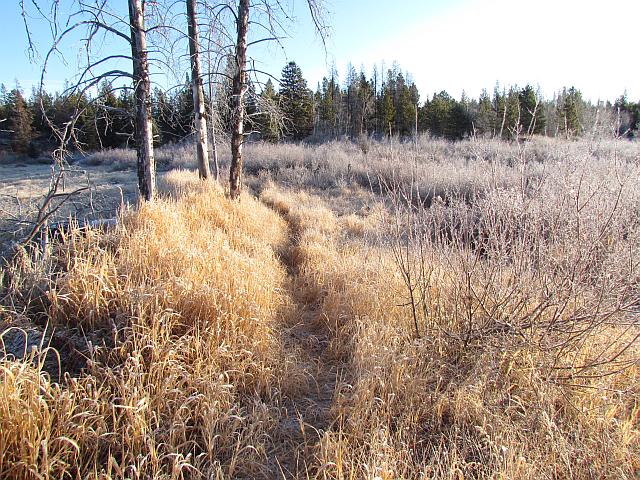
(307, 415)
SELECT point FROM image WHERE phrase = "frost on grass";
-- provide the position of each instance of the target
(464, 310)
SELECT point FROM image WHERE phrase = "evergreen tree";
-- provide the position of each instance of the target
(438, 112)
(571, 108)
(267, 121)
(366, 100)
(446, 117)
(41, 105)
(162, 116)
(108, 109)
(628, 115)
(388, 110)
(459, 121)
(390, 102)
(330, 98)
(296, 101)
(183, 110)
(19, 121)
(123, 124)
(351, 105)
(532, 116)
(87, 131)
(404, 107)
(485, 120)
(172, 113)
(499, 108)
(512, 120)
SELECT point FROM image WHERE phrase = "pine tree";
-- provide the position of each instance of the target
(296, 101)
(366, 100)
(459, 121)
(388, 110)
(107, 111)
(267, 122)
(351, 105)
(327, 115)
(19, 121)
(183, 115)
(123, 124)
(485, 121)
(407, 101)
(41, 100)
(438, 112)
(531, 112)
(512, 120)
(571, 108)
(87, 132)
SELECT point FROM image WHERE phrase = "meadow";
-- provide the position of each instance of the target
(370, 309)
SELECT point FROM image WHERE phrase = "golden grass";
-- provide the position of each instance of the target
(185, 298)
(189, 377)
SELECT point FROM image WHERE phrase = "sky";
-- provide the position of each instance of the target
(452, 45)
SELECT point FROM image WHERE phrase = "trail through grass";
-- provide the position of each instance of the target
(272, 338)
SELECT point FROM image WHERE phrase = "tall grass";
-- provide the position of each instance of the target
(178, 311)
(462, 310)
(445, 404)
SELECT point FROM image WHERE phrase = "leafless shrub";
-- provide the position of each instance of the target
(546, 263)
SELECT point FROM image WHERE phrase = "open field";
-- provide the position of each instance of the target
(373, 310)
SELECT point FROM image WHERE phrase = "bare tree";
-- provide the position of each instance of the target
(272, 26)
(239, 89)
(142, 84)
(212, 119)
(200, 120)
(98, 24)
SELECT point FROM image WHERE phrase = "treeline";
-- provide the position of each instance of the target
(105, 119)
(391, 104)
(377, 105)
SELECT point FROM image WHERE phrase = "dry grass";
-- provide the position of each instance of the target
(274, 337)
(445, 406)
(184, 298)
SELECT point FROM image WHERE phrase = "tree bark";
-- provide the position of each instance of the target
(239, 87)
(202, 147)
(142, 85)
(212, 117)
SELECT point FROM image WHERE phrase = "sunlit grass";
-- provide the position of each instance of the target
(184, 317)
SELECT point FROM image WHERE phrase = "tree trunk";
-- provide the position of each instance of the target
(142, 85)
(239, 87)
(212, 117)
(202, 147)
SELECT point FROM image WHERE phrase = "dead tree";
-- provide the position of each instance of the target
(239, 89)
(212, 122)
(200, 120)
(99, 24)
(216, 29)
(142, 85)
(273, 26)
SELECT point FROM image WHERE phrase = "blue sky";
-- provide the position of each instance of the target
(452, 45)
